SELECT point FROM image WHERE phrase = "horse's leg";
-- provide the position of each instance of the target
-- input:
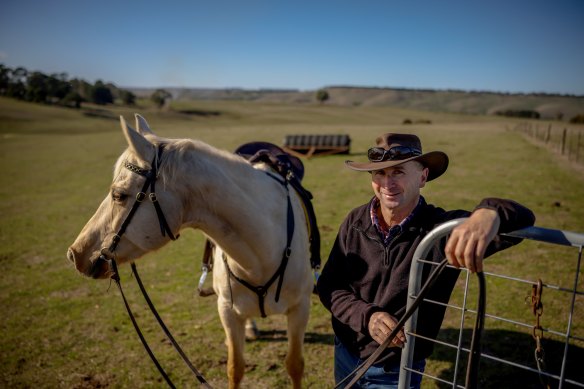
(297, 321)
(251, 330)
(234, 327)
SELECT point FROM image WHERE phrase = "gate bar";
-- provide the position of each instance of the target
(565, 238)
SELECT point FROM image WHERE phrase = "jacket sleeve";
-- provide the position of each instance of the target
(335, 290)
(513, 215)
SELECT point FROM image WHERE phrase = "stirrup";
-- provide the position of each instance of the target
(204, 292)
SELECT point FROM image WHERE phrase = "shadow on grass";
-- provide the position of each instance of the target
(100, 113)
(512, 346)
(200, 112)
(516, 347)
(309, 337)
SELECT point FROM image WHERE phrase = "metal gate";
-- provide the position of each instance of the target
(554, 379)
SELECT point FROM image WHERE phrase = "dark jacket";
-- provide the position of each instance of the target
(363, 275)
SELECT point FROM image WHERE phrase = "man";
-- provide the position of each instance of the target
(364, 282)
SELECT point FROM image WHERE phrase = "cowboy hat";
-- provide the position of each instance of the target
(395, 149)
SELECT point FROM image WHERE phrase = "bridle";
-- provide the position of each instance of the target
(151, 175)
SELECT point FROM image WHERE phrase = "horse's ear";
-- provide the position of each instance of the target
(137, 142)
(142, 125)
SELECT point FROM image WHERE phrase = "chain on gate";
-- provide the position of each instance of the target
(537, 309)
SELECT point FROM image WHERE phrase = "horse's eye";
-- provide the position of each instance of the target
(118, 197)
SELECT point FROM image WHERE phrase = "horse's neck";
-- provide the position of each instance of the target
(239, 207)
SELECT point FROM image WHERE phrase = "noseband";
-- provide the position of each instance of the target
(151, 176)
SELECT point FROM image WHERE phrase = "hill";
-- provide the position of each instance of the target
(549, 106)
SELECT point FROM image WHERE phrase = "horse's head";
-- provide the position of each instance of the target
(127, 225)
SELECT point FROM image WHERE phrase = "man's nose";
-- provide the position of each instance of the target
(388, 181)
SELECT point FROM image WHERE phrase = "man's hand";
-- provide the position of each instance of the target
(380, 326)
(468, 242)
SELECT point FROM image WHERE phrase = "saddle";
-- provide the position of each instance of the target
(291, 169)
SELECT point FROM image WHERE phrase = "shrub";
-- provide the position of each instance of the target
(519, 113)
(578, 119)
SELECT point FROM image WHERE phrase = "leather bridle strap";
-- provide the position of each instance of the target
(139, 198)
(199, 376)
(151, 176)
(115, 276)
(361, 369)
(262, 291)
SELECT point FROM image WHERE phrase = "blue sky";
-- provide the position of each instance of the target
(507, 46)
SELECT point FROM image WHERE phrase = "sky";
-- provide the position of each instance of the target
(515, 46)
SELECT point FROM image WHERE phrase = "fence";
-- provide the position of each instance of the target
(536, 367)
(568, 142)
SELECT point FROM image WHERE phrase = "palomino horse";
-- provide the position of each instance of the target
(243, 209)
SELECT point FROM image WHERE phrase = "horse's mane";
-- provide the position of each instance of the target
(178, 152)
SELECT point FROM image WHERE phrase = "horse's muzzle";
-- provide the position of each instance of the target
(100, 268)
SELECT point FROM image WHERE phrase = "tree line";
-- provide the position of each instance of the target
(37, 87)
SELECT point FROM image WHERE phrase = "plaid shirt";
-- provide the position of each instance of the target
(388, 233)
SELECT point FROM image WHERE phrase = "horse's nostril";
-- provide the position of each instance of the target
(70, 255)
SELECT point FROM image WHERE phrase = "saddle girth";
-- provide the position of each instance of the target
(262, 291)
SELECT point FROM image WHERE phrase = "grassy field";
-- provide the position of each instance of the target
(59, 329)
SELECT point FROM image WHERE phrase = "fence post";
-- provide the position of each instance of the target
(564, 140)
(578, 147)
(549, 134)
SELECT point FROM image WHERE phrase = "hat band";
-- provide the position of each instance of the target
(379, 154)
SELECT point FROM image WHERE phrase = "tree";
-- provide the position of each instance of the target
(127, 97)
(322, 95)
(82, 87)
(58, 87)
(101, 94)
(37, 88)
(73, 99)
(159, 97)
(17, 84)
(4, 79)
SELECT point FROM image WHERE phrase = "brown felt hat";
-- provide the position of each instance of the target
(395, 149)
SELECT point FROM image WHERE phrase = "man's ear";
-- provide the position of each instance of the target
(424, 177)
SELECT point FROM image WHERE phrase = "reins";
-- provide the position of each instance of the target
(472, 367)
(151, 176)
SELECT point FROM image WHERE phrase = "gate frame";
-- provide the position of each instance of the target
(565, 238)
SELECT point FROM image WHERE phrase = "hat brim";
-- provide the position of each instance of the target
(435, 161)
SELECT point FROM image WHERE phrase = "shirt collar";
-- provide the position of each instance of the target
(388, 233)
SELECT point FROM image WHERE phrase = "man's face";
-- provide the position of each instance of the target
(398, 187)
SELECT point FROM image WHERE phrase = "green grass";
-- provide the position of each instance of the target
(63, 330)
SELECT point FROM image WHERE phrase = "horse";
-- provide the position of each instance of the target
(241, 208)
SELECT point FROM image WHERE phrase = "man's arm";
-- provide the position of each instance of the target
(469, 243)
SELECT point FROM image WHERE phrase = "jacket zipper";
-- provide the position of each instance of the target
(388, 247)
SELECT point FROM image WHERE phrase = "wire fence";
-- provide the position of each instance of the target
(562, 139)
